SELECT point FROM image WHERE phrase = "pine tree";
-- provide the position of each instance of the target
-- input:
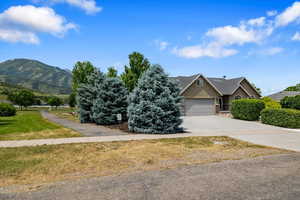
(86, 95)
(154, 105)
(111, 100)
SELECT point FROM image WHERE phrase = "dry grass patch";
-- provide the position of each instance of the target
(44, 164)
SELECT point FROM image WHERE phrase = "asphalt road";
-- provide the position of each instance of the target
(270, 177)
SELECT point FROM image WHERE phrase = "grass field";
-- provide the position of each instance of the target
(45, 164)
(65, 113)
(31, 125)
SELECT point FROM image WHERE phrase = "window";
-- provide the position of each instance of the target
(237, 97)
(200, 82)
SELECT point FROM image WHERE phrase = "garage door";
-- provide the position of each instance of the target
(196, 107)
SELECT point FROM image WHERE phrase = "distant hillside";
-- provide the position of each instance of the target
(36, 75)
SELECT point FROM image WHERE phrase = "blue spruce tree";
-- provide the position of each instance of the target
(86, 95)
(154, 105)
(111, 100)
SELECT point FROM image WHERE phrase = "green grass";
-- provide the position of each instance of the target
(31, 125)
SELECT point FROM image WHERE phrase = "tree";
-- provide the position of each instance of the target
(86, 95)
(154, 105)
(80, 73)
(111, 100)
(72, 100)
(137, 65)
(293, 88)
(55, 101)
(22, 98)
(112, 72)
(257, 89)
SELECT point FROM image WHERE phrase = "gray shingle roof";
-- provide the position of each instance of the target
(280, 95)
(225, 86)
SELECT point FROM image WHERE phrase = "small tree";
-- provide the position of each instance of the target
(112, 72)
(72, 100)
(111, 100)
(80, 74)
(86, 95)
(137, 66)
(55, 101)
(154, 105)
(23, 98)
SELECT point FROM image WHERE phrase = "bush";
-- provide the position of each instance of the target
(270, 103)
(288, 118)
(154, 105)
(247, 109)
(291, 102)
(7, 110)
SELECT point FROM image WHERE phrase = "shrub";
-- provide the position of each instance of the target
(291, 102)
(7, 110)
(288, 118)
(270, 103)
(154, 105)
(247, 109)
(111, 100)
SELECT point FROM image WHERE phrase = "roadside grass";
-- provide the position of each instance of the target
(46, 164)
(31, 125)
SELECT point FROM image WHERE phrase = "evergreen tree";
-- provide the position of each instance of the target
(111, 100)
(112, 72)
(138, 64)
(154, 105)
(86, 95)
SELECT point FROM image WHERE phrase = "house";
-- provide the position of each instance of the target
(280, 95)
(208, 96)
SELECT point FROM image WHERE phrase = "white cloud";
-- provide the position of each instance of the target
(291, 14)
(296, 36)
(272, 51)
(162, 45)
(213, 50)
(18, 36)
(21, 23)
(272, 13)
(257, 21)
(89, 6)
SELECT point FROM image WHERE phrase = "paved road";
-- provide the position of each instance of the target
(270, 177)
(85, 129)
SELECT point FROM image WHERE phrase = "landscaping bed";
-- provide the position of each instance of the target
(45, 164)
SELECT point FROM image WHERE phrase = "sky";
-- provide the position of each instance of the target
(257, 39)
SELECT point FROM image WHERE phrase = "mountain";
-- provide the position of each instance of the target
(36, 75)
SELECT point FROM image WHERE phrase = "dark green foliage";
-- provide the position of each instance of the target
(23, 98)
(7, 110)
(35, 75)
(291, 102)
(247, 109)
(86, 95)
(154, 105)
(55, 101)
(288, 118)
(72, 100)
(80, 73)
(137, 65)
(111, 100)
(293, 88)
(112, 72)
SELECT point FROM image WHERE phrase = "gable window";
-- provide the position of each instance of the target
(237, 97)
(200, 82)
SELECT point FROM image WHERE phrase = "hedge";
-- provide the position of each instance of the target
(291, 102)
(288, 118)
(270, 103)
(247, 109)
(7, 110)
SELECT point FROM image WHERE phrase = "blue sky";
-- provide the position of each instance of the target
(258, 39)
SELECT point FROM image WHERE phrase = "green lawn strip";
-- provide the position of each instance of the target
(24, 122)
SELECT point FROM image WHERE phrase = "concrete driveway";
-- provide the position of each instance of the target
(253, 132)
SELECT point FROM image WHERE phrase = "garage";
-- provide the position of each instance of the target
(198, 107)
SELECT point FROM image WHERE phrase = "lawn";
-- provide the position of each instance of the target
(31, 125)
(65, 113)
(46, 164)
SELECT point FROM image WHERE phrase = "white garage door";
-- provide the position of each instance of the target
(196, 107)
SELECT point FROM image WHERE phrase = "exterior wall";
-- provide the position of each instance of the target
(239, 92)
(249, 89)
(197, 92)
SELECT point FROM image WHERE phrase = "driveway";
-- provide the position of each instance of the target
(270, 177)
(253, 132)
